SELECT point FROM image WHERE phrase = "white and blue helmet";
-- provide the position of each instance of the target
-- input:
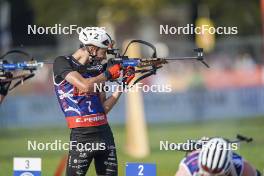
(95, 36)
(215, 158)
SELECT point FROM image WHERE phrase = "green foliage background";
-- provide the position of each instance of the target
(244, 14)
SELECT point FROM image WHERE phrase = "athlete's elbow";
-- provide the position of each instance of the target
(106, 109)
(87, 87)
(108, 106)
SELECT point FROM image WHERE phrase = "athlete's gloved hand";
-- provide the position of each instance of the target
(113, 72)
(4, 86)
(128, 74)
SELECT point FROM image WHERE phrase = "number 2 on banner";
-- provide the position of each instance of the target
(141, 169)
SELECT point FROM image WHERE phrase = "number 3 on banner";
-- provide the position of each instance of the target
(141, 169)
(27, 166)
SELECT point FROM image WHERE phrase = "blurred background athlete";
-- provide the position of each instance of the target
(215, 159)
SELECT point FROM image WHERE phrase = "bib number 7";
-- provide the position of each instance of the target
(89, 106)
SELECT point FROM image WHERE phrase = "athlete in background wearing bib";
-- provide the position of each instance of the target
(215, 159)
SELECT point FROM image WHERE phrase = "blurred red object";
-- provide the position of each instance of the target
(237, 78)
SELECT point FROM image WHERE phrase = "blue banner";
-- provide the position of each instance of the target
(141, 169)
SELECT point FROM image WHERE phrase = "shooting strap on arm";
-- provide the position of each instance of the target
(147, 74)
(144, 76)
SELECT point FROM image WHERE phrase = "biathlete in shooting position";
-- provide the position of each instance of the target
(214, 159)
(85, 109)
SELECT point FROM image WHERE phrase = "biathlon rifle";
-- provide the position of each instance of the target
(28, 68)
(147, 66)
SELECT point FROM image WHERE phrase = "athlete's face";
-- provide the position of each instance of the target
(101, 54)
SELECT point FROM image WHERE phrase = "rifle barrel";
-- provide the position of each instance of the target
(183, 58)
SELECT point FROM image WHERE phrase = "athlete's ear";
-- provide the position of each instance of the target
(88, 49)
(94, 50)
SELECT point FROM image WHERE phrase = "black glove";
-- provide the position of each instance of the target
(4, 86)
